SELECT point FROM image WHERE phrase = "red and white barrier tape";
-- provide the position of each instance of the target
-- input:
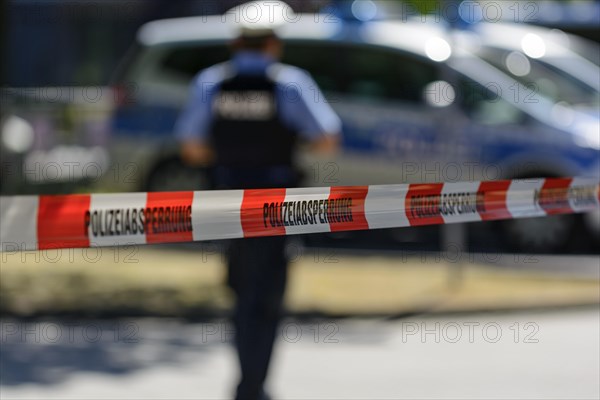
(86, 220)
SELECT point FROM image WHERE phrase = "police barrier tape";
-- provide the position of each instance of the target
(91, 220)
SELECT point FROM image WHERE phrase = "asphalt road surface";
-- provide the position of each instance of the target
(550, 355)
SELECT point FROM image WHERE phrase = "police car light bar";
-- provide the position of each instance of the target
(94, 220)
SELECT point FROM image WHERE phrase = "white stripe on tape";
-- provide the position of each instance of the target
(115, 219)
(520, 198)
(216, 214)
(18, 223)
(459, 202)
(385, 206)
(583, 194)
(305, 194)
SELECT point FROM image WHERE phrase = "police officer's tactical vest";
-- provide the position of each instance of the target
(253, 147)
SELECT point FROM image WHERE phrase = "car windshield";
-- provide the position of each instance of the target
(541, 77)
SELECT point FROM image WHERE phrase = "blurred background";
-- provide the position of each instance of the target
(428, 91)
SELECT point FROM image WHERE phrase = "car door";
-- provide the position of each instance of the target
(392, 134)
(502, 139)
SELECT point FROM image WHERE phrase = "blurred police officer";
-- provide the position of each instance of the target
(245, 118)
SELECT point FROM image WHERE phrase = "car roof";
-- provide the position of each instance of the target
(514, 36)
(409, 35)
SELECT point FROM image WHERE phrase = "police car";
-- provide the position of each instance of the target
(415, 107)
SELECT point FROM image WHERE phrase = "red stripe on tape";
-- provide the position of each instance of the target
(168, 217)
(422, 204)
(491, 200)
(346, 208)
(261, 212)
(61, 221)
(554, 196)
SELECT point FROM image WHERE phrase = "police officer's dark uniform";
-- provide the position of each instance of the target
(252, 111)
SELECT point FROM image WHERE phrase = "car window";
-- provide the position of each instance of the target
(363, 71)
(484, 105)
(388, 75)
(357, 71)
(319, 60)
(544, 78)
(188, 61)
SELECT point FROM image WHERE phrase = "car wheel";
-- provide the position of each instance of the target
(550, 234)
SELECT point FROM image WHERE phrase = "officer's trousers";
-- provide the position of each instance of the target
(257, 275)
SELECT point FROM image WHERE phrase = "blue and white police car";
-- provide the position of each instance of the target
(415, 107)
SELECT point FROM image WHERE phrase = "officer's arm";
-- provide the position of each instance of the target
(326, 144)
(194, 121)
(196, 153)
